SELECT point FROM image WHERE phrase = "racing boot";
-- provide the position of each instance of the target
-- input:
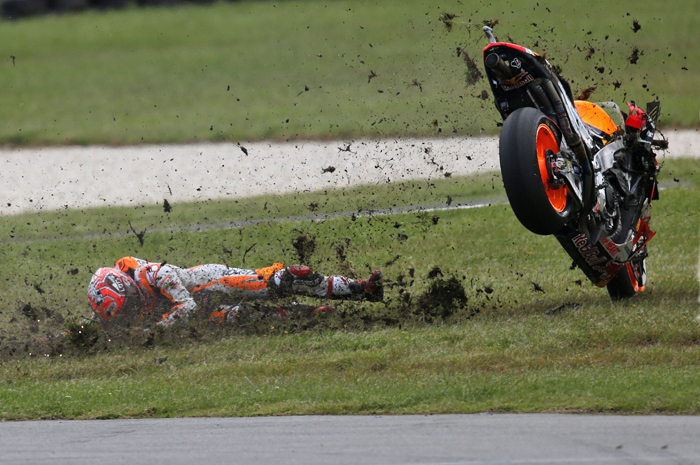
(371, 289)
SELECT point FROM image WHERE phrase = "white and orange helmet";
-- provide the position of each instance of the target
(112, 292)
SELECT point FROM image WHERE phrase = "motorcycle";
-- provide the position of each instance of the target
(571, 172)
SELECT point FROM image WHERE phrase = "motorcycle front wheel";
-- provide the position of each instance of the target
(529, 140)
(629, 281)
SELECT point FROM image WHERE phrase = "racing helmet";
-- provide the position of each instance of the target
(112, 292)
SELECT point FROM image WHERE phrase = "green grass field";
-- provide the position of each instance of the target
(498, 351)
(291, 70)
(305, 69)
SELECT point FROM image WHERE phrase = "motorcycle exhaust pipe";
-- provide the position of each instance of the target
(575, 143)
(540, 99)
(498, 66)
(572, 138)
(552, 106)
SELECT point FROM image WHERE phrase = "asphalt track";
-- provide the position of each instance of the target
(378, 440)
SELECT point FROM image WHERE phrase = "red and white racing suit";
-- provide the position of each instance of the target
(161, 280)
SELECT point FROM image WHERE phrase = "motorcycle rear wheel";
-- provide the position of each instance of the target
(629, 281)
(539, 202)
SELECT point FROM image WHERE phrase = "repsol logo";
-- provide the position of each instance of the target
(610, 246)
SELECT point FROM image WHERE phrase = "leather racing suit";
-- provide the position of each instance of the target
(159, 281)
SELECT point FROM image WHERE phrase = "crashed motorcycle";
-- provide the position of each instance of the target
(570, 171)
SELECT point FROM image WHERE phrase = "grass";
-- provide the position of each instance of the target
(297, 70)
(294, 70)
(433, 370)
(498, 352)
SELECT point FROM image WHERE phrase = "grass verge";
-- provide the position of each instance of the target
(312, 69)
(491, 347)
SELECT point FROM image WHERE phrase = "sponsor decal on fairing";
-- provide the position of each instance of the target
(518, 81)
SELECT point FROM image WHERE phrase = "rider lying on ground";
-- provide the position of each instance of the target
(137, 290)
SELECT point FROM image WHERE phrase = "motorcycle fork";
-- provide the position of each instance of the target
(562, 172)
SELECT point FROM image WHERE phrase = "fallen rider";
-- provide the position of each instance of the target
(137, 290)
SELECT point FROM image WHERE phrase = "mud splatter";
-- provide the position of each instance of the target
(447, 20)
(305, 246)
(441, 300)
(634, 57)
(586, 93)
(473, 73)
(139, 235)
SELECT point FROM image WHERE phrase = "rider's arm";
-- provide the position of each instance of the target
(170, 285)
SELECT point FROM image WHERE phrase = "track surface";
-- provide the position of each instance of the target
(382, 440)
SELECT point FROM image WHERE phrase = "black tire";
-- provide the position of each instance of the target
(629, 281)
(541, 208)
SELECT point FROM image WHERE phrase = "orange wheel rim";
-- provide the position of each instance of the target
(547, 141)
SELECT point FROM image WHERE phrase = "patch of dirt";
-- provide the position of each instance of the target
(443, 298)
(305, 246)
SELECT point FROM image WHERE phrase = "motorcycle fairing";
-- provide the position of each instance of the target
(601, 261)
(525, 65)
(598, 122)
(595, 260)
(637, 117)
